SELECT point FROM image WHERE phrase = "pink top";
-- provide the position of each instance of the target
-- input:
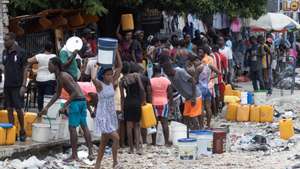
(159, 87)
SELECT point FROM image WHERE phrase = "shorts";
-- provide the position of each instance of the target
(13, 98)
(162, 111)
(77, 113)
(206, 95)
(193, 111)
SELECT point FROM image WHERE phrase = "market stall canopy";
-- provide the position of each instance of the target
(274, 22)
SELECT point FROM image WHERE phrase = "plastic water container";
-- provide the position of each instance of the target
(148, 118)
(236, 93)
(286, 129)
(11, 136)
(260, 97)
(2, 136)
(160, 139)
(250, 98)
(187, 148)
(255, 113)
(231, 99)
(29, 119)
(204, 142)
(228, 90)
(266, 113)
(177, 131)
(41, 132)
(106, 51)
(127, 22)
(231, 111)
(244, 97)
(242, 114)
(53, 111)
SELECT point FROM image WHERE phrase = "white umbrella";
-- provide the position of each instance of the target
(274, 22)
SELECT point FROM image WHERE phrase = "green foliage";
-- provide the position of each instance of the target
(243, 8)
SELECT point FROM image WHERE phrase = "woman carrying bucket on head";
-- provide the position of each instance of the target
(106, 120)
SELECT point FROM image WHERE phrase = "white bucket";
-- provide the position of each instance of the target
(40, 132)
(204, 142)
(187, 148)
(178, 130)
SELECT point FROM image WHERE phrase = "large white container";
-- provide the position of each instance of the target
(40, 132)
(244, 97)
(260, 98)
(187, 148)
(178, 131)
(204, 142)
(53, 111)
(57, 125)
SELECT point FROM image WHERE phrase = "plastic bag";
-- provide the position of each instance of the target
(160, 140)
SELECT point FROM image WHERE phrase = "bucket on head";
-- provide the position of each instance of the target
(219, 141)
(40, 132)
(127, 22)
(204, 142)
(106, 51)
(187, 148)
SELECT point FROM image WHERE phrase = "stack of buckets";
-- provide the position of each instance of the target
(202, 143)
(245, 110)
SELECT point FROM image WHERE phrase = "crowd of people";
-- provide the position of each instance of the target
(183, 78)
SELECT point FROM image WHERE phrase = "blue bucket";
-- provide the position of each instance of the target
(106, 51)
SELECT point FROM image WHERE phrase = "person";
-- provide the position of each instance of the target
(76, 106)
(106, 120)
(69, 62)
(255, 62)
(125, 42)
(45, 80)
(188, 43)
(204, 73)
(221, 63)
(227, 52)
(197, 40)
(136, 48)
(131, 104)
(185, 84)
(265, 55)
(162, 101)
(14, 61)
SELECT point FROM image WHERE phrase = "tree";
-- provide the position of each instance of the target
(243, 8)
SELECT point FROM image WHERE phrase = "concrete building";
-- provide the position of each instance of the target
(3, 21)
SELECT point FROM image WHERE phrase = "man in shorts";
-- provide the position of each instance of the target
(14, 62)
(75, 108)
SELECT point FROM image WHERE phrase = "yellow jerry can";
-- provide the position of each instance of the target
(231, 111)
(286, 129)
(11, 136)
(2, 136)
(266, 113)
(148, 116)
(243, 113)
(29, 119)
(255, 113)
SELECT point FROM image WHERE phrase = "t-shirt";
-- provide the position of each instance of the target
(73, 67)
(14, 62)
(91, 63)
(159, 86)
(181, 82)
(227, 52)
(43, 73)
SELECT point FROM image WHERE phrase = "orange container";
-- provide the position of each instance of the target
(2, 136)
(29, 119)
(193, 111)
(255, 113)
(127, 22)
(231, 111)
(243, 113)
(4, 119)
(266, 113)
(11, 136)
(286, 128)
